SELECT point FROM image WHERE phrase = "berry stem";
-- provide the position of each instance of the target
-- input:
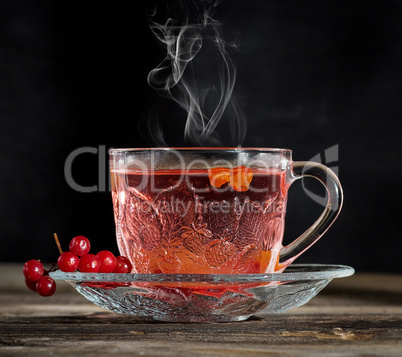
(53, 268)
(58, 243)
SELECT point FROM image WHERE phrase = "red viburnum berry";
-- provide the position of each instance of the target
(108, 261)
(68, 262)
(123, 265)
(80, 246)
(33, 270)
(45, 286)
(89, 263)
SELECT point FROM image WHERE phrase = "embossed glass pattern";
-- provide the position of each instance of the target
(199, 297)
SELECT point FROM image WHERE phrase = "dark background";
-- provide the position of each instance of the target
(311, 75)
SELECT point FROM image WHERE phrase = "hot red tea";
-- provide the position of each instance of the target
(216, 221)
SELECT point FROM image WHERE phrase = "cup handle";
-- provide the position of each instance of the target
(335, 199)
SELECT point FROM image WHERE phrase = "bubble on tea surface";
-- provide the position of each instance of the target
(218, 252)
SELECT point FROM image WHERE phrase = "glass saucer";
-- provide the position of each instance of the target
(199, 297)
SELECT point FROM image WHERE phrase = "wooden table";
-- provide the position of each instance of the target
(356, 316)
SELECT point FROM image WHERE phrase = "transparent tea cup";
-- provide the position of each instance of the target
(211, 210)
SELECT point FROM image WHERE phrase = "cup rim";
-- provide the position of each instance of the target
(196, 148)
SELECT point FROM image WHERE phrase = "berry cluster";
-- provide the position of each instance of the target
(77, 258)
(37, 279)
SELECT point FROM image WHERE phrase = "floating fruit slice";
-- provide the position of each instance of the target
(218, 176)
(240, 178)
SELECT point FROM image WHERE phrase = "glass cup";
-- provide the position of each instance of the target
(211, 210)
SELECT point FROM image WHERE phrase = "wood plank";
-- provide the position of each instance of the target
(359, 315)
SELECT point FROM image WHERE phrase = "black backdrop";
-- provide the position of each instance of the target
(311, 75)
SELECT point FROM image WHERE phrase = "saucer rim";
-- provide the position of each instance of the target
(310, 272)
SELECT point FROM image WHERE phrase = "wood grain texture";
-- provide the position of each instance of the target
(356, 316)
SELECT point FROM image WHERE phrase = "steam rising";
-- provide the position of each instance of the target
(199, 75)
